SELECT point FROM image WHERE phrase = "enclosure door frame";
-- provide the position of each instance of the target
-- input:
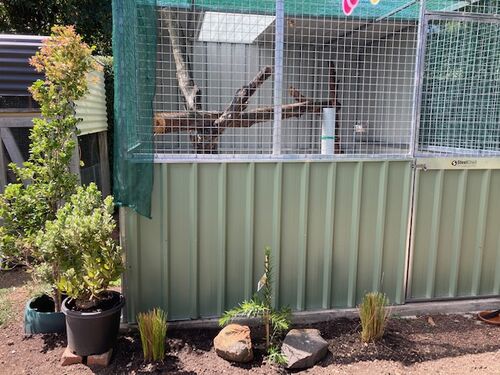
(441, 164)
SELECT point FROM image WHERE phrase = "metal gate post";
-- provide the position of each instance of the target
(417, 103)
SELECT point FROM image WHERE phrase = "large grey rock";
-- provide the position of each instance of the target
(303, 348)
(233, 343)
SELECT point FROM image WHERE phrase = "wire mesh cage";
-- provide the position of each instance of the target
(244, 79)
(340, 85)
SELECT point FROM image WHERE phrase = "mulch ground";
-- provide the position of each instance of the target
(446, 344)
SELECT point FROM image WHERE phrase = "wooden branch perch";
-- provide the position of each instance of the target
(240, 101)
(188, 87)
(165, 122)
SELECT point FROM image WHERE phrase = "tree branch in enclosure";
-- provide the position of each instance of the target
(205, 127)
(171, 122)
(189, 89)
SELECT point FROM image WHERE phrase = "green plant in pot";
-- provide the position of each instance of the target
(80, 241)
(45, 181)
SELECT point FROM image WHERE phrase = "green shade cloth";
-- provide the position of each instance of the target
(134, 50)
(317, 8)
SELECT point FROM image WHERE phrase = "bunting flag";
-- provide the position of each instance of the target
(349, 5)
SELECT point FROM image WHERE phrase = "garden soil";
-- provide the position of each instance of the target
(441, 344)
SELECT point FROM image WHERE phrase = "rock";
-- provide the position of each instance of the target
(233, 343)
(100, 359)
(69, 358)
(303, 348)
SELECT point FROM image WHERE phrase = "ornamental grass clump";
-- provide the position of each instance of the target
(153, 329)
(374, 314)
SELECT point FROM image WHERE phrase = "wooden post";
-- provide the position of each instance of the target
(3, 167)
(75, 161)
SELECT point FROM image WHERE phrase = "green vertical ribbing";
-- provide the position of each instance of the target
(403, 239)
(302, 240)
(354, 235)
(130, 242)
(249, 243)
(411, 250)
(380, 228)
(328, 246)
(164, 238)
(193, 242)
(480, 232)
(277, 197)
(133, 266)
(496, 284)
(221, 292)
(434, 235)
(456, 246)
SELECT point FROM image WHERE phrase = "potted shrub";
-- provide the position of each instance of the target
(45, 181)
(79, 240)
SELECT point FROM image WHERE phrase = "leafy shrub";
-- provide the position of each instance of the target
(45, 180)
(153, 329)
(79, 240)
(374, 314)
(260, 306)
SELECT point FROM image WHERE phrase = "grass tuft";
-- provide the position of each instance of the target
(374, 314)
(6, 312)
(153, 329)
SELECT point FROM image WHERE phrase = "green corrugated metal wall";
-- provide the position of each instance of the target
(91, 109)
(456, 249)
(338, 229)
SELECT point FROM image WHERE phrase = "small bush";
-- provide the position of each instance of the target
(153, 329)
(260, 306)
(373, 314)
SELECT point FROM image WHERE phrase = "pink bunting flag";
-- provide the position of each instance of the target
(349, 5)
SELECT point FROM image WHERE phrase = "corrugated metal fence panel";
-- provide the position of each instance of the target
(16, 74)
(337, 230)
(456, 250)
(92, 107)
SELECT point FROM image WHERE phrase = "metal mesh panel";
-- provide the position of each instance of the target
(461, 87)
(346, 87)
(234, 79)
(490, 7)
(204, 58)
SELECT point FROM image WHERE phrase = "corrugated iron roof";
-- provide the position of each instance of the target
(16, 74)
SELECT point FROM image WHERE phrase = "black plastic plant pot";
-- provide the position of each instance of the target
(92, 333)
(40, 317)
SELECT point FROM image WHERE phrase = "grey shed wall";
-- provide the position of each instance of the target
(16, 75)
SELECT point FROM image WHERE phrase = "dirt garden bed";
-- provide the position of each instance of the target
(446, 344)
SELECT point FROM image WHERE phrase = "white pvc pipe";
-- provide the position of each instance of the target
(328, 132)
